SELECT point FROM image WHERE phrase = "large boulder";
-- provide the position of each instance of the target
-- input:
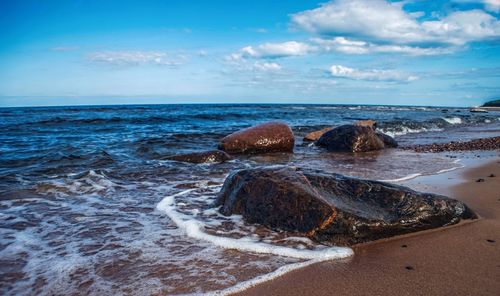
(332, 208)
(313, 136)
(201, 157)
(262, 138)
(352, 138)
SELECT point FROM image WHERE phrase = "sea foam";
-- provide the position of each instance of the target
(194, 229)
(453, 120)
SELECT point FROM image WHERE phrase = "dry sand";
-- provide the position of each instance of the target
(460, 260)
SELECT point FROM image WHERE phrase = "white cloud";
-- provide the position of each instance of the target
(260, 30)
(277, 50)
(371, 75)
(265, 66)
(344, 45)
(379, 20)
(244, 65)
(65, 48)
(131, 58)
(492, 5)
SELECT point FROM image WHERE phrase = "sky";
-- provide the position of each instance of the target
(411, 52)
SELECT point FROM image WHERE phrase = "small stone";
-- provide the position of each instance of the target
(409, 267)
(480, 180)
(492, 176)
(404, 246)
(490, 240)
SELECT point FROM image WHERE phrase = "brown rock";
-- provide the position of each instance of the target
(201, 157)
(262, 138)
(368, 123)
(332, 208)
(313, 136)
(351, 138)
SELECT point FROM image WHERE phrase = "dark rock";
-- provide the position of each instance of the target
(492, 176)
(332, 208)
(389, 141)
(262, 138)
(480, 180)
(313, 136)
(351, 138)
(409, 267)
(490, 240)
(404, 246)
(201, 157)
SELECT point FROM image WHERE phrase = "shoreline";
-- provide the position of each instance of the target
(462, 259)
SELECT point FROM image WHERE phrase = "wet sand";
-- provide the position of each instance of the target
(459, 260)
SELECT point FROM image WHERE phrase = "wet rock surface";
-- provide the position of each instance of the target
(262, 138)
(389, 141)
(313, 136)
(478, 144)
(332, 208)
(201, 157)
(351, 138)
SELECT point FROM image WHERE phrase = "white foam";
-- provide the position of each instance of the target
(409, 177)
(263, 278)
(194, 229)
(413, 176)
(406, 130)
(453, 120)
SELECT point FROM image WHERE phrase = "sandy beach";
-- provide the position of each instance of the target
(460, 260)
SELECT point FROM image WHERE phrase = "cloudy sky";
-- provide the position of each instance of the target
(343, 51)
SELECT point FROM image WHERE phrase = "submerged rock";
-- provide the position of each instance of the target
(389, 141)
(351, 138)
(313, 136)
(201, 157)
(262, 138)
(334, 209)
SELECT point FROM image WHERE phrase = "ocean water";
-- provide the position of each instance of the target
(88, 205)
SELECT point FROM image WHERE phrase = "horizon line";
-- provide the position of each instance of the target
(227, 103)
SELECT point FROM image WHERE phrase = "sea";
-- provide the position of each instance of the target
(90, 206)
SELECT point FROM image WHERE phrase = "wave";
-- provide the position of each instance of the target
(194, 229)
(405, 178)
(453, 120)
(89, 182)
(416, 175)
(404, 126)
(240, 287)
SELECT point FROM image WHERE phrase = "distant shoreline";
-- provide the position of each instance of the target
(495, 109)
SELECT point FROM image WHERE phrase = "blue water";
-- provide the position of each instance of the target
(80, 185)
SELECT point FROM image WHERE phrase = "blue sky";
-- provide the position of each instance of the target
(358, 51)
